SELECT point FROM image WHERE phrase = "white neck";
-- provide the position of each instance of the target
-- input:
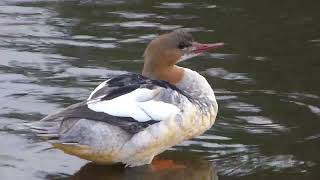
(197, 87)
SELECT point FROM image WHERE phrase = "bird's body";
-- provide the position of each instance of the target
(131, 118)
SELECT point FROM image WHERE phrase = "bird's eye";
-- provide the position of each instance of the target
(183, 45)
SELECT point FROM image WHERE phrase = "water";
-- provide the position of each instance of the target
(53, 53)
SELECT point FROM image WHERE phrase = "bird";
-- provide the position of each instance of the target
(131, 118)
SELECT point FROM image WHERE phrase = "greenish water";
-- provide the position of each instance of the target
(53, 53)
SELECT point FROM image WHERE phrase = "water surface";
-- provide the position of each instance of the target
(53, 53)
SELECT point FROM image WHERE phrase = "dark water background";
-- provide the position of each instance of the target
(53, 53)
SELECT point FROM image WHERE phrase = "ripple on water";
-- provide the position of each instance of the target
(260, 125)
(211, 6)
(301, 96)
(37, 98)
(243, 107)
(215, 149)
(309, 101)
(133, 15)
(177, 5)
(140, 39)
(222, 56)
(248, 117)
(15, 162)
(33, 60)
(259, 58)
(140, 24)
(17, 21)
(224, 74)
(94, 38)
(19, 10)
(253, 162)
(80, 73)
(312, 108)
(80, 43)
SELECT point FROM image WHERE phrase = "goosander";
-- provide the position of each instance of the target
(131, 118)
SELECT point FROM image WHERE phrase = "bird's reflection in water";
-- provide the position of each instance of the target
(194, 169)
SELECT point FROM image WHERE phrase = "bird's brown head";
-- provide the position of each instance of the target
(165, 51)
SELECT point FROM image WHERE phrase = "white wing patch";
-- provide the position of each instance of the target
(97, 89)
(138, 104)
(159, 110)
